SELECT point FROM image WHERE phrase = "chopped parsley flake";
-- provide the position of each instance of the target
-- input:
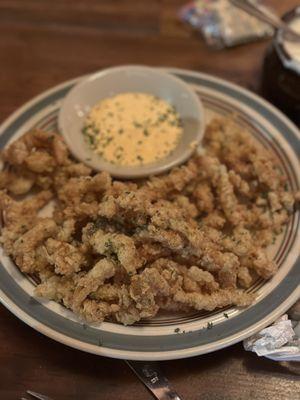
(210, 325)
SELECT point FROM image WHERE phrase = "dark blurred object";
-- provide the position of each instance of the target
(281, 73)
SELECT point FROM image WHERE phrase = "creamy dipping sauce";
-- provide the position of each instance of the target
(133, 129)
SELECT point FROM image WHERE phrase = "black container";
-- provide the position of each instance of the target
(281, 75)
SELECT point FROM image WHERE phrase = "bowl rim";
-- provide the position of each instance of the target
(134, 172)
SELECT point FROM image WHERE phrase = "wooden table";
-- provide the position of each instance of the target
(43, 43)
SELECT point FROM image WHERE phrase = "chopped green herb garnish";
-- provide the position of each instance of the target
(176, 330)
(225, 315)
(162, 117)
(91, 139)
(210, 325)
(85, 130)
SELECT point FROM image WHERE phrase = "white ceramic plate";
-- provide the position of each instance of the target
(170, 336)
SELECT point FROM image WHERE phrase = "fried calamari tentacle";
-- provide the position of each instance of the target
(120, 245)
(168, 238)
(102, 270)
(186, 205)
(246, 277)
(72, 170)
(97, 311)
(150, 252)
(40, 162)
(20, 212)
(24, 247)
(143, 290)
(176, 180)
(106, 292)
(202, 278)
(66, 258)
(17, 182)
(18, 152)
(240, 243)
(259, 261)
(204, 197)
(218, 299)
(128, 314)
(79, 189)
(239, 184)
(58, 288)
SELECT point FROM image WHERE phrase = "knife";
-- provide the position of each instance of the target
(153, 378)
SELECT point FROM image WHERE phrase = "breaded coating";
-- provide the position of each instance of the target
(24, 247)
(66, 258)
(218, 299)
(194, 238)
(117, 244)
(90, 282)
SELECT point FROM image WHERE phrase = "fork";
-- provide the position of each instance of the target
(36, 396)
(266, 15)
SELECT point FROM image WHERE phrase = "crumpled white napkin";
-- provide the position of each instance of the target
(280, 341)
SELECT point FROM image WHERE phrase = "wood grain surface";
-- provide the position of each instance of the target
(43, 43)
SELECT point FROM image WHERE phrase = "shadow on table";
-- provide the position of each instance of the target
(262, 364)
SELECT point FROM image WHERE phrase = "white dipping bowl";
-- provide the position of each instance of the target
(112, 81)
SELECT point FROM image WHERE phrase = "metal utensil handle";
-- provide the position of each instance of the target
(151, 375)
(259, 12)
(264, 14)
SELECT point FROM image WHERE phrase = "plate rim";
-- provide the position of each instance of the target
(157, 355)
(147, 356)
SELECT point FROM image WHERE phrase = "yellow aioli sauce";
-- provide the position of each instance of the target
(133, 129)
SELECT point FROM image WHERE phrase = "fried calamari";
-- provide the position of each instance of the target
(194, 238)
